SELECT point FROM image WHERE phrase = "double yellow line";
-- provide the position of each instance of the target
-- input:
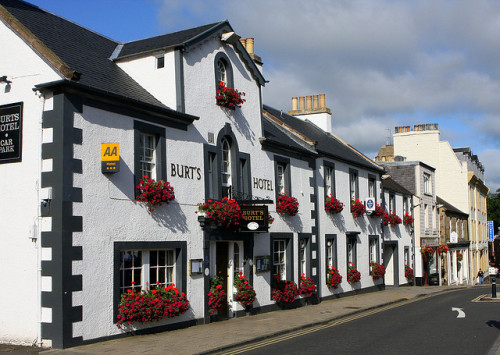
(299, 333)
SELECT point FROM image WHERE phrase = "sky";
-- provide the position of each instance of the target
(380, 63)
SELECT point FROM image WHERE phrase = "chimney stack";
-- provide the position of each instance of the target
(312, 108)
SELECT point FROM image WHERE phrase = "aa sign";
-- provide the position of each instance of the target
(110, 157)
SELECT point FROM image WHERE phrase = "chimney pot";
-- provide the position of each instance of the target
(243, 42)
(249, 45)
(315, 101)
(309, 102)
(301, 103)
(294, 103)
(322, 100)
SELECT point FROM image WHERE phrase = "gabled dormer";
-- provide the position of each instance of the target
(158, 63)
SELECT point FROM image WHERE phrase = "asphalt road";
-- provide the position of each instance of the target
(424, 326)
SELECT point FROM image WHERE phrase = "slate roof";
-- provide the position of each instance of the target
(278, 135)
(85, 57)
(84, 51)
(390, 184)
(168, 40)
(326, 144)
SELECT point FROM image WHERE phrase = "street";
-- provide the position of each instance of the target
(451, 323)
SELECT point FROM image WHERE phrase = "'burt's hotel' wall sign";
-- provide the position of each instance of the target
(11, 133)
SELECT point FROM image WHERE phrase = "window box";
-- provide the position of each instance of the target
(377, 270)
(287, 204)
(226, 214)
(230, 98)
(332, 205)
(154, 193)
(357, 208)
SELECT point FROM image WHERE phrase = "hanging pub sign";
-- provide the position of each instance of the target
(11, 133)
(110, 157)
(255, 219)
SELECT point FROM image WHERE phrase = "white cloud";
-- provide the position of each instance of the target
(380, 63)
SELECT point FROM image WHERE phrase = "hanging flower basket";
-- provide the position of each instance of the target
(154, 193)
(225, 213)
(443, 249)
(408, 272)
(332, 205)
(245, 293)
(379, 211)
(230, 98)
(353, 275)
(357, 208)
(150, 305)
(287, 204)
(217, 297)
(460, 256)
(377, 270)
(407, 219)
(307, 286)
(333, 278)
(427, 251)
(284, 292)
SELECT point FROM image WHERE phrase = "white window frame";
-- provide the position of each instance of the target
(279, 257)
(329, 181)
(303, 256)
(351, 251)
(221, 71)
(427, 184)
(226, 167)
(280, 167)
(147, 155)
(141, 274)
(331, 252)
(372, 188)
(353, 183)
(392, 202)
(373, 250)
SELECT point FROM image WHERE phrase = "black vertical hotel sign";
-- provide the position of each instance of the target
(11, 133)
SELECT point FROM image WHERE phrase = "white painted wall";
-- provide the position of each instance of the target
(159, 82)
(451, 173)
(344, 222)
(20, 189)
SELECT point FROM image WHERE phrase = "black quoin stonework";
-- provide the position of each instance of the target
(64, 223)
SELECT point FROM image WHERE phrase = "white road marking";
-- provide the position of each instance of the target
(461, 313)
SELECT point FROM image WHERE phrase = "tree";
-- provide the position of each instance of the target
(493, 204)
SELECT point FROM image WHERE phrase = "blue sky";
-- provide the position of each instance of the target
(381, 63)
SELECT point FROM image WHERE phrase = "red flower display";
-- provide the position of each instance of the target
(307, 286)
(216, 296)
(287, 204)
(150, 305)
(427, 251)
(407, 219)
(376, 270)
(245, 293)
(230, 98)
(154, 193)
(333, 278)
(353, 275)
(333, 205)
(284, 291)
(408, 272)
(379, 211)
(357, 208)
(226, 213)
(391, 219)
(443, 249)
(460, 256)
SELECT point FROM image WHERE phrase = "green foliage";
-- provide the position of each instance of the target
(493, 204)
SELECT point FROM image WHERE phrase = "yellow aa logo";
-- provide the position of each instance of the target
(110, 151)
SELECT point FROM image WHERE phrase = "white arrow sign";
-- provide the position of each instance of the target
(461, 313)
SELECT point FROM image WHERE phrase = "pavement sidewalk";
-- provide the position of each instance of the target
(222, 335)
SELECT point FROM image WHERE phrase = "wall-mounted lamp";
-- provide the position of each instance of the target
(4, 79)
